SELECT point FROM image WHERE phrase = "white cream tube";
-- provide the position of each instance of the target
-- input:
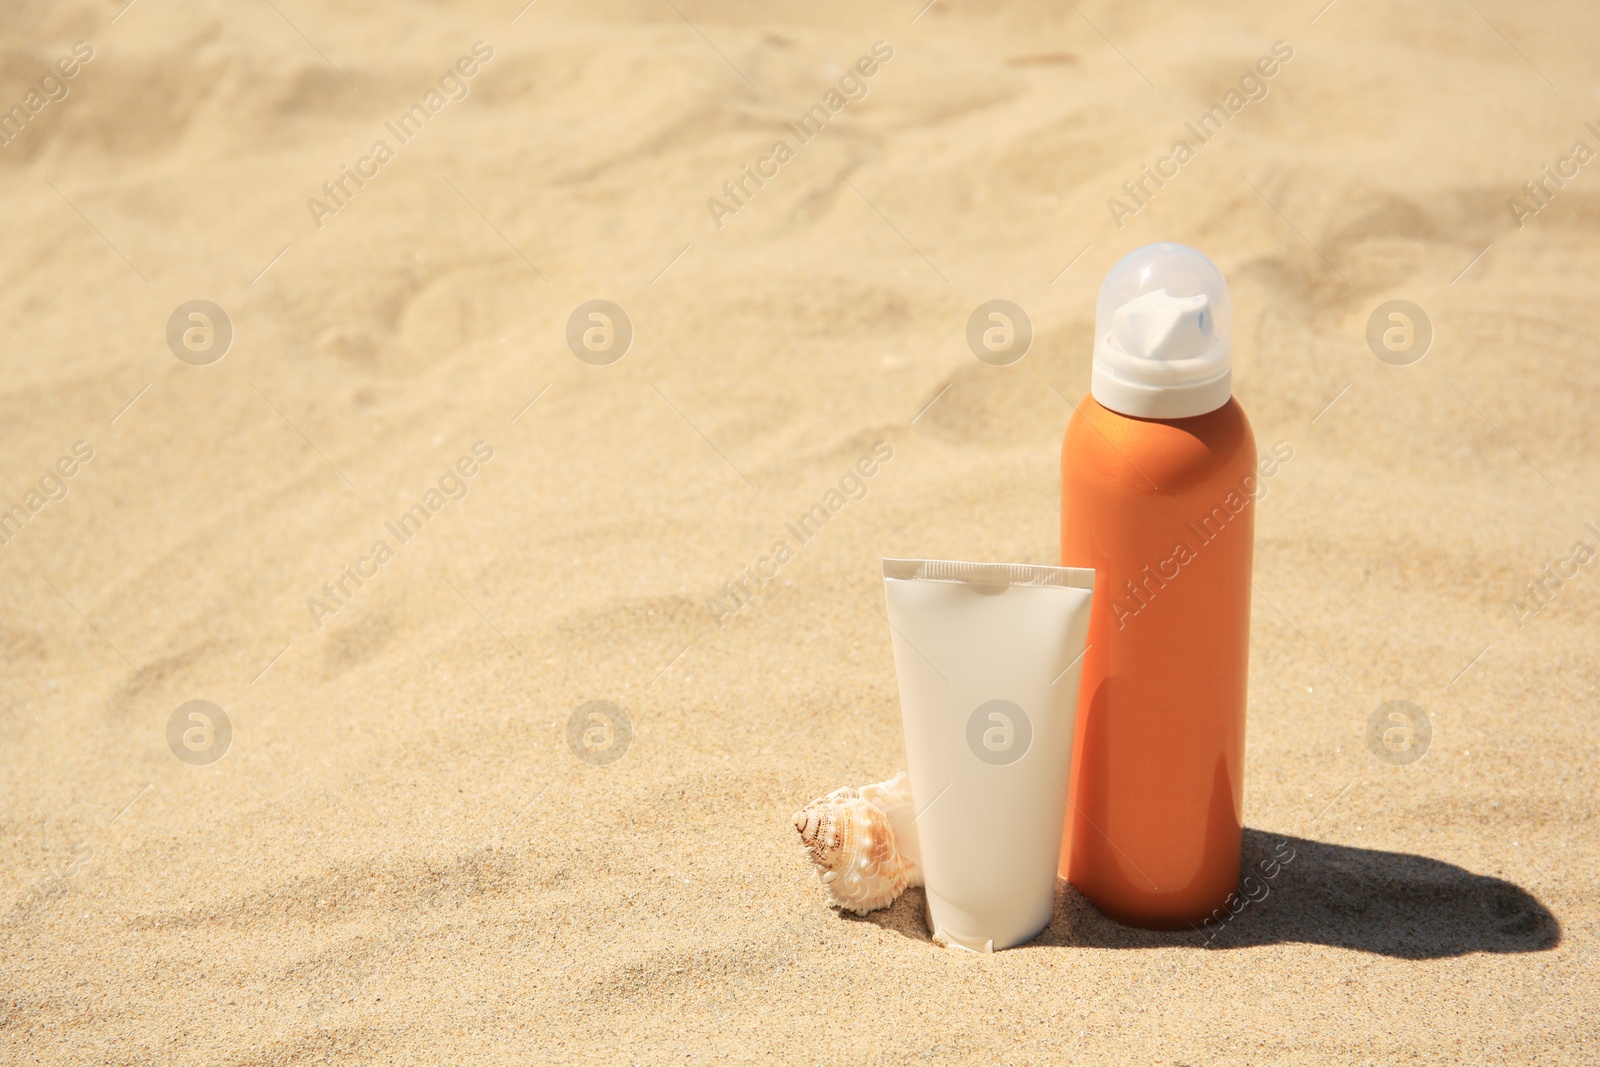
(988, 656)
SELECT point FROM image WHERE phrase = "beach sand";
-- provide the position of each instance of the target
(399, 857)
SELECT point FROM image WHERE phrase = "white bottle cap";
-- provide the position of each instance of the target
(1163, 335)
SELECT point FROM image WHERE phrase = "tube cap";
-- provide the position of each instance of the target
(1163, 335)
(985, 929)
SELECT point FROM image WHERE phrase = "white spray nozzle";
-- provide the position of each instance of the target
(1159, 325)
(1163, 335)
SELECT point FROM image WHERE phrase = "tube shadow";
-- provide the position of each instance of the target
(1388, 903)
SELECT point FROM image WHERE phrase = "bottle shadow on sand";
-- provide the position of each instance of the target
(1389, 903)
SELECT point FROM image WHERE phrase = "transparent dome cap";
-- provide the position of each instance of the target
(1163, 335)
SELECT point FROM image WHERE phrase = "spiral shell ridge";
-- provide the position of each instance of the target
(850, 837)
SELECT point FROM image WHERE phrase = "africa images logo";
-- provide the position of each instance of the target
(999, 732)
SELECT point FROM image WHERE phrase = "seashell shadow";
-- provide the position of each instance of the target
(1387, 903)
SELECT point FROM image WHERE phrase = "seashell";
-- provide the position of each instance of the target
(863, 843)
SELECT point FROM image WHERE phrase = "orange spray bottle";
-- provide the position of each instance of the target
(1158, 484)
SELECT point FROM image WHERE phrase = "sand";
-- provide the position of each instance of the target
(399, 858)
